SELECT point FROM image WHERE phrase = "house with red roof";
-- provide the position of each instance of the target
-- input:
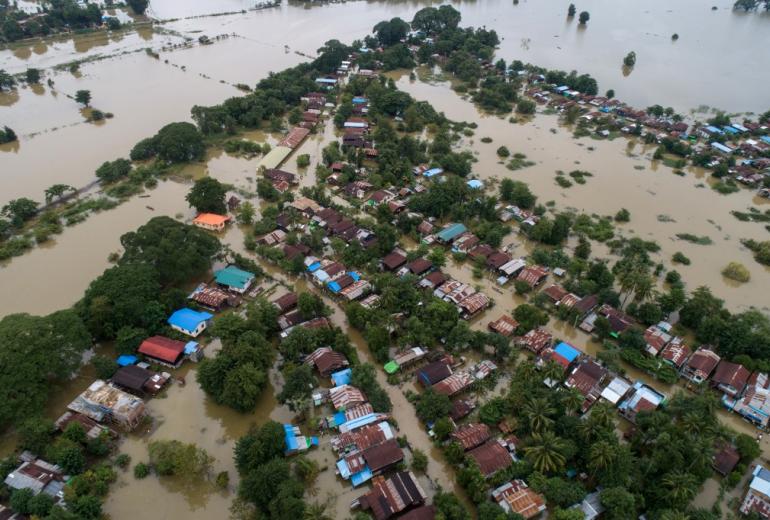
(164, 351)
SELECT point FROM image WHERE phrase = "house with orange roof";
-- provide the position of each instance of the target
(211, 221)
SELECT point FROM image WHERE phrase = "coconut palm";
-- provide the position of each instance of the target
(316, 511)
(680, 487)
(572, 400)
(604, 414)
(545, 452)
(553, 371)
(601, 455)
(538, 412)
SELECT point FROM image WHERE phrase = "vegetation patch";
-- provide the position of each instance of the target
(518, 162)
(580, 176)
(761, 250)
(695, 239)
(561, 181)
(736, 271)
(679, 258)
(595, 228)
(752, 216)
(725, 187)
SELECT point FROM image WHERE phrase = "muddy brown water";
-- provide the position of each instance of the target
(144, 94)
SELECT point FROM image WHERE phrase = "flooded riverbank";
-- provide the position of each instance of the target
(661, 203)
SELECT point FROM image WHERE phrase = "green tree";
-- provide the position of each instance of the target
(208, 196)
(6, 80)
(177, 252)
(20, 499)
(57, 191)
(41, 350)
(529, 317)
(83, 97)
(246, 213)
(584, 17)
(179, 142)
(544, 452)
(33, 76)
(298, 383)
(35, 434)
(20, 210)
(259, 446)
(619, 503)
(111, 171)
(571, 10)
(431, 406)
(630, 59)
(185, 461)
(391, 32)
(419, 461)
(138, 6)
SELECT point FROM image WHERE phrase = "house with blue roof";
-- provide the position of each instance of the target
(757, 499)
(295, 441)
(234, 279)
(475, 184)
(189, 321)
(450, 232)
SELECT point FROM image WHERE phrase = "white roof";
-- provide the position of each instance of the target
(761, 480)
(616, 390)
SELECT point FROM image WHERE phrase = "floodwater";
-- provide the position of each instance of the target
(144, 93)
(661, 203)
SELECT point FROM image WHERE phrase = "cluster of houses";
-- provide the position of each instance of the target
(747, 142)
(119, 404)
(364, 442)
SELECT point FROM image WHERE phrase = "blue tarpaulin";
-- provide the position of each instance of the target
(567, 351)
(354, 275)
(315, 266)
(126, 360)
(334, 287)
(358, 100)
(342, 377)
(433, 172)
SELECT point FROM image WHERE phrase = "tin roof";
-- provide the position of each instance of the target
(471, 435)
(491, 457)
(454, 384)
(162, 348)
(504, 325)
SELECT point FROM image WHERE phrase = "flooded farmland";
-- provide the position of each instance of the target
(57, 145)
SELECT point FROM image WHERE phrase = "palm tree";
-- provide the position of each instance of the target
(538, 412)
(604, 414)
(680, 487)
(572, 400)
(545, 452)
(316, 511)
(601, 455)
(553, 371)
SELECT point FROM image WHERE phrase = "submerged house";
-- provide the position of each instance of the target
(395, 495)
(104, 403)
(163, 350)
(234, 279)
(211, 221)
(295, 441)
(516, 497)
(536, 340)
(38, 476)
(700, 365)
(730, 378)
(754, 406)
(757, 499)
(471, 435)
(491, 457)
(587, 378)
(190, 322)
(642, 398)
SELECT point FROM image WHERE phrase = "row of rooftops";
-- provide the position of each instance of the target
(748, 139)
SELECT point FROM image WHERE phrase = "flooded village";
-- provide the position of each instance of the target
(352, 260)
